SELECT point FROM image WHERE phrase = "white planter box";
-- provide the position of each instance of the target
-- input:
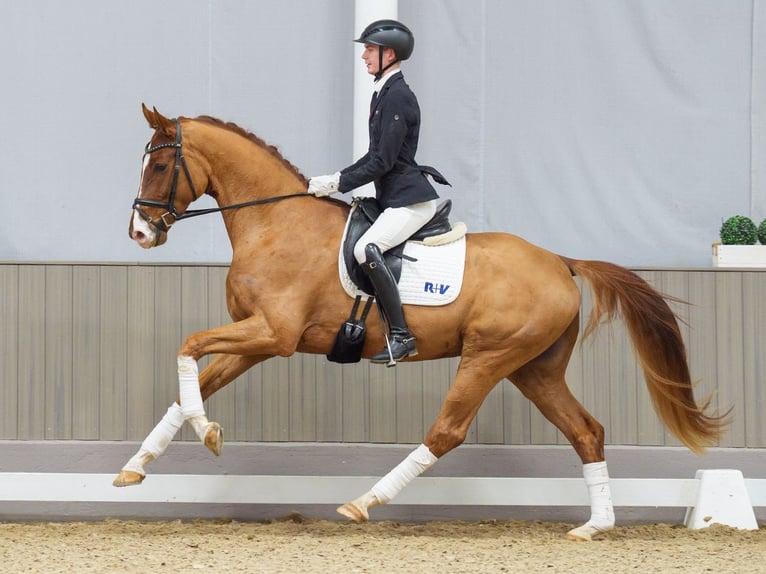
(739, 255)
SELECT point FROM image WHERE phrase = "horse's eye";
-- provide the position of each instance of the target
(160, 167)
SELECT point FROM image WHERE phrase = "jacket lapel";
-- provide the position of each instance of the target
(387, 86)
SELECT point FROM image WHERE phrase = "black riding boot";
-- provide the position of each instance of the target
(387, 292)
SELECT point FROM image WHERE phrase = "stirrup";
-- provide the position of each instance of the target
(396, 349)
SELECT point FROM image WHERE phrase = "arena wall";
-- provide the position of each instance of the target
(89, 354)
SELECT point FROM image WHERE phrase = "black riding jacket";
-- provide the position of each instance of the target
(390, 161)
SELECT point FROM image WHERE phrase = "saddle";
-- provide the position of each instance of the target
(364, 215)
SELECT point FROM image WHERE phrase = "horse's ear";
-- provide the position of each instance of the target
(149, 116)
(157, 121)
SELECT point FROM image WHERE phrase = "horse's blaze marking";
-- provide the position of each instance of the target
(144, 165)
(138, 222)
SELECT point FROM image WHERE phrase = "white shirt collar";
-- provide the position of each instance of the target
(381, 82)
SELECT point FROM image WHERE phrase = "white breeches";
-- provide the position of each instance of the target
(394, 226)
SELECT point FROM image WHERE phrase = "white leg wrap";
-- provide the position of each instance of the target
(597, 480)
(138, 462)
(601, 508)
(188, 387)
(417, 462)
(157, 441)
(199, 423)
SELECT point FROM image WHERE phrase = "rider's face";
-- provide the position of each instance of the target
(371, 59)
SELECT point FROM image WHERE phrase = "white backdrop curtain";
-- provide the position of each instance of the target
(623, 130)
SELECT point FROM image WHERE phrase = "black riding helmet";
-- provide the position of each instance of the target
(388, 34)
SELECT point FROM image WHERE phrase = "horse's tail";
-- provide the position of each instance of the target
(656, 337)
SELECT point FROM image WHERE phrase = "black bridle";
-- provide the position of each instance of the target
(163, 224)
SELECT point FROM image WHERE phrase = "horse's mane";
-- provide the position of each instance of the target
(232, 127)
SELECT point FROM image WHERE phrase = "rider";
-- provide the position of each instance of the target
(406, 196)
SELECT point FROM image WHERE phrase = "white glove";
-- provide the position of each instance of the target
(324, 185)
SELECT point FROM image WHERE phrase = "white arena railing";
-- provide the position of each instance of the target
(713, 496)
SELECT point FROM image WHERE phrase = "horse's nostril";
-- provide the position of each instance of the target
(138, 235)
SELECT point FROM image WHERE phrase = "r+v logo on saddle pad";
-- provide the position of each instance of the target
(435, 288)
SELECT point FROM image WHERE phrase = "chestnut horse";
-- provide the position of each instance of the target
(516, 318)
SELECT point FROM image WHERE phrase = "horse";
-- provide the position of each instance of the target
(516, 317)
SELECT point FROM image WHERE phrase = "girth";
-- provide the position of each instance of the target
(363, 216)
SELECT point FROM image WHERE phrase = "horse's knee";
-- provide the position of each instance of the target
(192, 346)
(443, 438)
(589, 443)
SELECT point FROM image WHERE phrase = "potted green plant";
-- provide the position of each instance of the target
(737, 248)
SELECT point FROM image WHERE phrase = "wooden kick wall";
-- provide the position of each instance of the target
(88, 352)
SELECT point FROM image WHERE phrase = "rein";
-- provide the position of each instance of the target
(163, 224)
(194, 212)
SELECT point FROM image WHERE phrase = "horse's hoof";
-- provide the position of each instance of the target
(575, 537)
(214, 438)
(353, 512)
(586, 532)
(128, 478)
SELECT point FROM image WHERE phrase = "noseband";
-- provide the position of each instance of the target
(164, 223)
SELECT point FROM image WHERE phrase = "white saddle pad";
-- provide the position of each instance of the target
(434, 279)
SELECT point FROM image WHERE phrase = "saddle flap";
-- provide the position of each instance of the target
(363, 215)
